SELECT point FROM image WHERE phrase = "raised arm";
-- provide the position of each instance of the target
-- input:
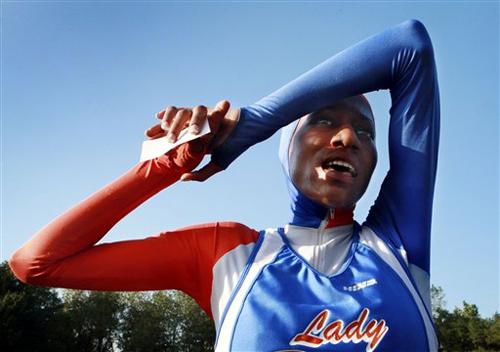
(64, 253)
(399, 59)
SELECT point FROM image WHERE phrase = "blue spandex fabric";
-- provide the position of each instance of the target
(400, 59)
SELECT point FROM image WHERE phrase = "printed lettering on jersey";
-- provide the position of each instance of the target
(361, 285)
(320, 332)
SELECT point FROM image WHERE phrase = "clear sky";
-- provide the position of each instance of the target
(82, 80)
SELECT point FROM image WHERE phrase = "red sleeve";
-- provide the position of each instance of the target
(64, 253)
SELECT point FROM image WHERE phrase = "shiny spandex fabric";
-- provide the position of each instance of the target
(400, 59)
(65, 253)
(283, 303)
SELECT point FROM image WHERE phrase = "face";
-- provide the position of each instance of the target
(332, 154)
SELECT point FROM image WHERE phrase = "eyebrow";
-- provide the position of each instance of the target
(359, 118)
(358, 115)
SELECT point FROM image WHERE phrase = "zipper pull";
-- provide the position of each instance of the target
(332, 213)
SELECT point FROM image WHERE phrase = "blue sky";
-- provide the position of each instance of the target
(81, 81)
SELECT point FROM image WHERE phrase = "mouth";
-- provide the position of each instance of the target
(339, 165)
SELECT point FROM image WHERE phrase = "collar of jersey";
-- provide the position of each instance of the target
(307, 236)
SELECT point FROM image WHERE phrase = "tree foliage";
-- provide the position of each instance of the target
(164, 321)
(30, 317)
(93, 319)
(464, 329)
(42, 319)
(39, 319)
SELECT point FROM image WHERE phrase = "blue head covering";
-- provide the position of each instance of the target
(305, 211)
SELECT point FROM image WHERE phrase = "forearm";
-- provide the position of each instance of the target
(372, 64)
(86, 223)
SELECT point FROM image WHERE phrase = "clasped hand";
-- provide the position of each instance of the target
(173, 120)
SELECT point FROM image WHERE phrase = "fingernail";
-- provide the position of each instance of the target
(195, 129)
(171, 138)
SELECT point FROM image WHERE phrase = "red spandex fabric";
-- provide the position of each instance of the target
(64, 253)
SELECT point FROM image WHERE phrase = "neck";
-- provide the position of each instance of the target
(308, 213)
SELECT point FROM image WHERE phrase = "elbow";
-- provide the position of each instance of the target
(20, 267)
(26, 269)
(418, 38)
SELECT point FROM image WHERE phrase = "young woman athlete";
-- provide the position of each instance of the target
(323, 282)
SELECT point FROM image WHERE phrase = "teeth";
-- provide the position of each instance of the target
(348, 166)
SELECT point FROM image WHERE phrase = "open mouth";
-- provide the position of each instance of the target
(339, 166)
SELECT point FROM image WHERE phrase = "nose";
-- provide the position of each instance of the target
(345, 136)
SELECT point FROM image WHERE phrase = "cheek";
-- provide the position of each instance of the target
(301, 170)
(297, 168)
(293, 167)
(296, 158)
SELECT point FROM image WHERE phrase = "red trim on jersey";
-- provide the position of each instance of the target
(340, 217)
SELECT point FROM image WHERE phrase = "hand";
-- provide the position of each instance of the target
(173, 120)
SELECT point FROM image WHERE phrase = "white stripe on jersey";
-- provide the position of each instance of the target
(370, 239)
(226, 274)
(270, 248)
(423, 281)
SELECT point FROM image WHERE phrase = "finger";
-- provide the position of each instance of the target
(159, 115)
(202, 174)
(198, 118)
(167, 117)
(155, 130)
(156, 136)
(223, 127)
(223, 106)
(217, 115)
(178, 123)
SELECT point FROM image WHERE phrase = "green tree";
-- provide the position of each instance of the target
(31, 317)
(164, 321)
(464, 329)
(93, 319)
(198, 332)
(149, 322)
(438, 301)
(476, 326)
(493, 333)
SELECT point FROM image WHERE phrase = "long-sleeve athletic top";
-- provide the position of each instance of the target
(207, 261)
(399, 59)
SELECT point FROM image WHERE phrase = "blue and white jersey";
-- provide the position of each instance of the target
(378, 296)
(284, 303)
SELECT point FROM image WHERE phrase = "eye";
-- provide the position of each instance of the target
(364, 133)
(324, 121)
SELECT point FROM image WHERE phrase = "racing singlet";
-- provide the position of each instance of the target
(282, 303)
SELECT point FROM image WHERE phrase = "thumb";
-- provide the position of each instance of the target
(222, 106)
(217, 115)
(202, 174)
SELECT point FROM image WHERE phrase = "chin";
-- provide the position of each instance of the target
(329, 195)
(336, 204)
(339, 196)
(335, 200)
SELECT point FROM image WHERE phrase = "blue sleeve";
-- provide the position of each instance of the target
(400, 59)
